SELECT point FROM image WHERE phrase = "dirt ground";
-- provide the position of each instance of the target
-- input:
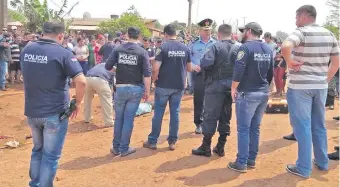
(86, 161)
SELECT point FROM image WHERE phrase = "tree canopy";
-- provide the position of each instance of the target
(333, 20)
(129, 18)
(33, 14)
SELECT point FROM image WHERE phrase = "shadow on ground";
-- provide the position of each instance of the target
(187, 135)
(210, 177)
(273, 145)
(88, 162)
(81, 127)
(183, 163)
(288, 179)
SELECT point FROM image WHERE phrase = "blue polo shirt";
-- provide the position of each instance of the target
(46, 67)
(254, 67)
(174, 57)
(198, 49)
(101, 72)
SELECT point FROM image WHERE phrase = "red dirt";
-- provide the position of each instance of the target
(86, 161)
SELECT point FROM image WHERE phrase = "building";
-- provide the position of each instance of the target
(90, 25)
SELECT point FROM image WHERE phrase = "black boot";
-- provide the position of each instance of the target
(204, 149)
(219, 148)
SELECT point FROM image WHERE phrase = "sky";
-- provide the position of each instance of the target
(272, 15)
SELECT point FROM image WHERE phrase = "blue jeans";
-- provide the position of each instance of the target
(48, 140)
(190, 82)
(250, 107)
(162, 97)
(85, 66)
(3, 71)
(307, 116)
(126, 100)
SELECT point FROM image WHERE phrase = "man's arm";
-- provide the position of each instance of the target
(146, 74)
(189, 63)
(291, 41)
(334, 66)
(157, 63)
(73, 69)
(111, 61)
(239, 68)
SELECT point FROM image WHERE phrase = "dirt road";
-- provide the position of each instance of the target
(86, 161)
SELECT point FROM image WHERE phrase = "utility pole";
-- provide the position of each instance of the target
(244, 21)
(189, 15)
(3, 13)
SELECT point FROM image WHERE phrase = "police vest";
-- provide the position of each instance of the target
(223, 67)
(129, 67)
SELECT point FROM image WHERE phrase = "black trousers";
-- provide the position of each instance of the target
(198, 83)
(217, 108)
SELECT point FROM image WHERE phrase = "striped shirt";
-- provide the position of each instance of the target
(314, 45)
(15, 52)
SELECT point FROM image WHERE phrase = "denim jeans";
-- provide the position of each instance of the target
(217, 107)
(85, 66)
(307, 116)
(126, 100)
(162, 97)
(3, 71)
(250, 107)
(190, 82)
(48, 140)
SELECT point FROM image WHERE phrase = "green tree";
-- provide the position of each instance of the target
(33, 13)
(129, 18)
(158, 25)
(178, 25)
(333, 29)
(333, 20)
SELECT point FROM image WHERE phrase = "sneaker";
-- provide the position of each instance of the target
(198, 130)
(108, 125)
(251, 164)
(320, 168)
(293, 170)
(237, 167)
(331, 107)
(114, 151)
(150, 146)
(128, 152)
(172, 147)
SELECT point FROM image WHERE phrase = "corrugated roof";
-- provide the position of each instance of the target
(96, 21)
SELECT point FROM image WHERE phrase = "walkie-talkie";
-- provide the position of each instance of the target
(68, 112)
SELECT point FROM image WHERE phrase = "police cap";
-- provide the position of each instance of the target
(206, 24)
(253, 26)
(53, 28)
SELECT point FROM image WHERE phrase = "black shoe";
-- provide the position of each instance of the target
(236, 167)
(334, 156)
(336, 118)
(219, 148)
(336, 148)
(204, 149)
(293, 170)
(251, 164)
(114, 151)
(290, 137)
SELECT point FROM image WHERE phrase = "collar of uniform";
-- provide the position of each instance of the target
(210, 40)
(229, 40)
(47, 40)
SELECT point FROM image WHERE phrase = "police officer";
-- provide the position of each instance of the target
(253, 73)
(99, 81)
(169, 72)
(195, 79)
(132, 80)
(107, 48)
(217, 66)
(46, 66)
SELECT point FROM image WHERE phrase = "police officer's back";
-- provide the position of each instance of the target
(132, 76)
(46, 66)
(217, 66)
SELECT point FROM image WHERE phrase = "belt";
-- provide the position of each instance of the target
(124, 85)
(93, 76)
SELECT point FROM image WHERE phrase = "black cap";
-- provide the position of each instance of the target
(253, 26)
(206, 24)
(133, 31)
(53, 28)
(267, 35)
